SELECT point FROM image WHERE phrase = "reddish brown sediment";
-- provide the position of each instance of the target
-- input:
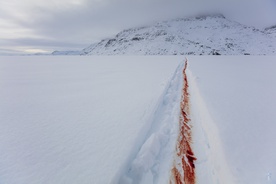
(183, 170)
(177, 177)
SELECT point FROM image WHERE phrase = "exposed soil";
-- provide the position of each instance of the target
(183, 170)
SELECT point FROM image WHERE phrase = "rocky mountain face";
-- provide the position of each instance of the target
(201, 35)
(271, 30)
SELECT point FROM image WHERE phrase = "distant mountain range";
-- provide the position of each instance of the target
(201, 35)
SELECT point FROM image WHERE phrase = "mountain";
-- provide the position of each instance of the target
(271, 30)
(66, 52)
(201, 35)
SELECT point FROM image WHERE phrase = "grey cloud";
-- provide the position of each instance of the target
(84, 24)
(92, 22)
(41, 43)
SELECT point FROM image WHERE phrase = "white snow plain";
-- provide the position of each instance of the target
(115, 119)
(84, 119)
(233, 99)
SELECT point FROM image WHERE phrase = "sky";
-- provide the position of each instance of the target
(31, 26)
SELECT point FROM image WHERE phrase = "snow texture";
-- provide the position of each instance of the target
(211, 164)
(84, 119)
(154, 159)
(237, 96)
(115, 119)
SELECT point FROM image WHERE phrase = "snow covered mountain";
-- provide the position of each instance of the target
(66, 52)
(202, 35)
(271, 30)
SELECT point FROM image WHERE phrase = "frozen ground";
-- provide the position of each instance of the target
(84, 119)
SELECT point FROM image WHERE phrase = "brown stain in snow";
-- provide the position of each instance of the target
(183, 170)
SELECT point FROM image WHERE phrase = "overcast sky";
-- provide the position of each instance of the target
(45, 25)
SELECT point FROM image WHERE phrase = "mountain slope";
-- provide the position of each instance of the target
(66, 53)
(202, 35)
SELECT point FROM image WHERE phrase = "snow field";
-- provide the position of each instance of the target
(84, 119)
(116, 119)
(211, 164)
(235, 100)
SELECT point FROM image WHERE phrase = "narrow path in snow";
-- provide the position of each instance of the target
(152, 163)
(183, 170)
(182, 143)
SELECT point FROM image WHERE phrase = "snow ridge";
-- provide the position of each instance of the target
(157, 150)
(201, 35)
(211, 165)
(183, 170)
(155, 154)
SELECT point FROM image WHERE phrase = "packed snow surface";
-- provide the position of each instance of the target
(87, 119)
(233, 100)
(201, 35)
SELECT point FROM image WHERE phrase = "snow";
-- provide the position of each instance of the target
(154, 160)
(211, 164)
(116, 119)
(84, 119)
(236, 97)
(66, 53)
(202, 35)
